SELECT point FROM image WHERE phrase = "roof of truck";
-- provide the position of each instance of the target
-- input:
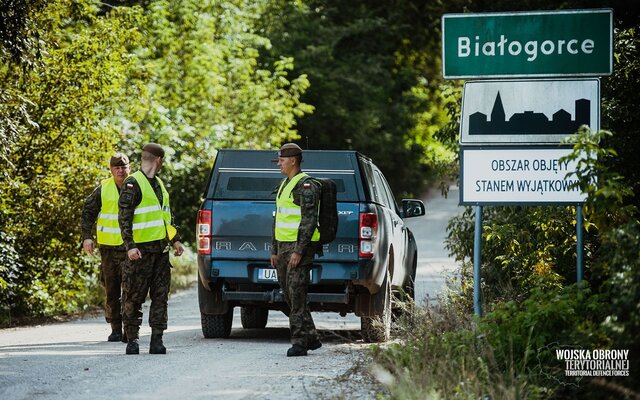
(311, 159)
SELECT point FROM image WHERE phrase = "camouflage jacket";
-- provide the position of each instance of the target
(306, 194)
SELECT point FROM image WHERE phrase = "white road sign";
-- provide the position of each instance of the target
(517, 176)
(542, 111)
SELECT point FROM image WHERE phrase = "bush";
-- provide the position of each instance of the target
(522, 247)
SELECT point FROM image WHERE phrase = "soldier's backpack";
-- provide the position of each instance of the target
(328, 215)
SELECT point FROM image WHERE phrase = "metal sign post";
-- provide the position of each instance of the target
(579, 243)
(477, 250)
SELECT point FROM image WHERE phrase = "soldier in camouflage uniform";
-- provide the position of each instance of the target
(101, 209)
(295, 242)
(147, 229)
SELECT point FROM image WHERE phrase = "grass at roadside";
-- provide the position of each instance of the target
(441, 356)
(510, 353)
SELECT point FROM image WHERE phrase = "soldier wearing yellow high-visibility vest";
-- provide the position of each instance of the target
(294, 244)
(148, 231)
(101, 209)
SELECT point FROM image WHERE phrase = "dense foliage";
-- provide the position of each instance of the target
(81, 79)
(61, 80)
(375, 81)
(201, 86)
(84, 78)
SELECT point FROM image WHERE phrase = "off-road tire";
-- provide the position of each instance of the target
(377, 329)
(254, 317)
(217, 326)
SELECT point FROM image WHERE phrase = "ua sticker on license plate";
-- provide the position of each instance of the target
(268, 274)
(271, 274)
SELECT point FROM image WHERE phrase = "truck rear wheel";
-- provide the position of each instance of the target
(217, 326)
(254, 317)
(378, 328)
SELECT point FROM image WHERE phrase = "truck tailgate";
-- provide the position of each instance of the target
(242, 230)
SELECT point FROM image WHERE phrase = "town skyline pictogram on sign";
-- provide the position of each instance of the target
(530, 121)
(533, 111)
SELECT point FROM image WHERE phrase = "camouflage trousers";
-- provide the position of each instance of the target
(150, 275)
(111, 264)
(295, 284)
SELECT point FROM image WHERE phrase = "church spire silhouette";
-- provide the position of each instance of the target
(497, 113)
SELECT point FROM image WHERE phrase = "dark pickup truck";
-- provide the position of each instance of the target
(372, 258)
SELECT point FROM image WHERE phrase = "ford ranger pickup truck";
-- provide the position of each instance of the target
(371, 262)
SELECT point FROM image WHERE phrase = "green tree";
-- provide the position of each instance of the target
(375, 84)
(205, 88)
(58, 149)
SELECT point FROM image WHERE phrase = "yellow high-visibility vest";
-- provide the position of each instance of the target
(288, 213)
(151, 221)
(107, 229)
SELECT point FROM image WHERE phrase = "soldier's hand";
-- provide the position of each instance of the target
(274, 260)
(294, 260)
(178, 247)
(134, 254)
(88, 246)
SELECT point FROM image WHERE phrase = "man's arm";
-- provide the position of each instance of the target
(309, 195)
(176, 241)
(274, 244)
(90, 212)
(177, 237)
(130, 197)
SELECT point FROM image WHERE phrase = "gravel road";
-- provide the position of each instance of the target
(73, 360)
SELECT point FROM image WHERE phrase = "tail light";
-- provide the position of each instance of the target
(203, 231)
(368, 233)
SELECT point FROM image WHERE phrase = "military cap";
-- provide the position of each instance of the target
(290, 150)
(119, 160)
(154, 148)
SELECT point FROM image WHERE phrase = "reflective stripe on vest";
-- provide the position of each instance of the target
(288, 213)
(108, 230)
(150, 220)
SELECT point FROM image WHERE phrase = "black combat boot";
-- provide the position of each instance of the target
(133, 347)
(296, 350)
(156, 346)
(116, 332)
(315, 345)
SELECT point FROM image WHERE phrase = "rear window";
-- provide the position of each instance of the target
(263, 185)
(251, 184)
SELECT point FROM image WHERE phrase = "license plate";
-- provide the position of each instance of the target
(268, 274)
(271, 274)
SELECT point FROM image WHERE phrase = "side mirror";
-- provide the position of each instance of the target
(412, 208)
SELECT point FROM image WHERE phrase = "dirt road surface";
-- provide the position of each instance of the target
(73, 360)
